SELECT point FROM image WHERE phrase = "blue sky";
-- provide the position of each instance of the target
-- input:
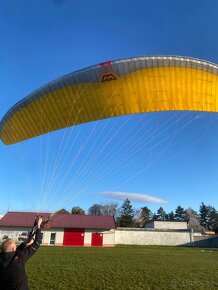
(177, 163)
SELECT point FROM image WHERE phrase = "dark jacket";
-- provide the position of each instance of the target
(12, 265)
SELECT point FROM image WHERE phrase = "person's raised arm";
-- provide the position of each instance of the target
(34, 244)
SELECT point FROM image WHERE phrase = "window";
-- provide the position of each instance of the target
(52, 238)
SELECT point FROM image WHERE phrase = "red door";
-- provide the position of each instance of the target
(97, 239)
(73, 237)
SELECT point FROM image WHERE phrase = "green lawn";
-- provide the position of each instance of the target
(123, 268)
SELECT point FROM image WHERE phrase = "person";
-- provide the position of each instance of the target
(13, 259)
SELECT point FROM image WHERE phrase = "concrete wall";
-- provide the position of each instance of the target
(167, 225)
(206, 241)
(152, 237)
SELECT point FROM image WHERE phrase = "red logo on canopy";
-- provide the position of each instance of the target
(106, 63)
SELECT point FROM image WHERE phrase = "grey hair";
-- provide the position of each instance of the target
(5, 245)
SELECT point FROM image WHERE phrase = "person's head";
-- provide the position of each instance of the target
(8, 246)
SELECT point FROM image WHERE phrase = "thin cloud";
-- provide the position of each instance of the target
(133, 197)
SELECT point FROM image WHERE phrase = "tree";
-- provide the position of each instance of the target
(161, 214)
(180, 214)
(109, 209)
(193, 220)
(104, 209)
(208, 217)
(212, 218)
(145, 216)
(171, 216)
(95, 209)
(126, 217)
(77, 210)
(137, 218)
(155, 217)
(204, 215)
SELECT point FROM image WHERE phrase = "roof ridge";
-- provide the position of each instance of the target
(28, 212)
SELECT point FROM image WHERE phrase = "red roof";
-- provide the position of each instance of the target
(26, 219)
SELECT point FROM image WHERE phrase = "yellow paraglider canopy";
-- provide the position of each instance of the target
(129, 86)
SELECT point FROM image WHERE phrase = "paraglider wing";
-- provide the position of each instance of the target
(129, 86)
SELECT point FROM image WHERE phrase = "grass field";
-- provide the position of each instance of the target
(123, 268)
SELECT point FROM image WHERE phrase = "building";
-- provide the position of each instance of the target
(167, 225)
(66, 229)
(63, 230)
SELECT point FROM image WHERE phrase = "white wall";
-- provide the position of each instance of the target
(47, 235)
(108, 237)
(152, 237)
(167, 225)
(119, 236)
(12, 232)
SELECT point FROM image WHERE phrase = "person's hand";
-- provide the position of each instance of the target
(29, 242)
(39, 222)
